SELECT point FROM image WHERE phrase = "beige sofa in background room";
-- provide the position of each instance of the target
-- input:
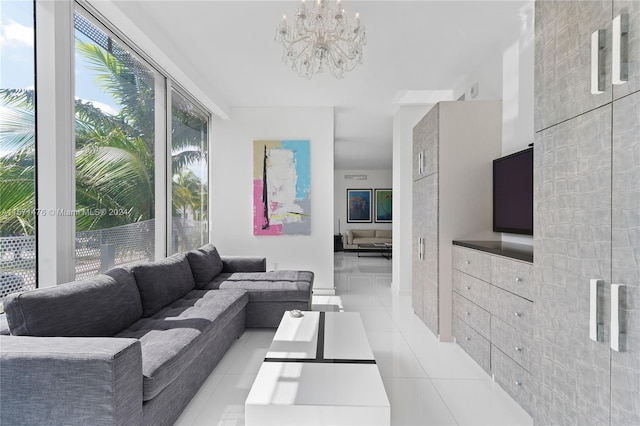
(366, 236)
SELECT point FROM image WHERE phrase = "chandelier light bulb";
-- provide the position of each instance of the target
(327, 40)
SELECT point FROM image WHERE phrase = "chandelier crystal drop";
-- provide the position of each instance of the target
(321, 37)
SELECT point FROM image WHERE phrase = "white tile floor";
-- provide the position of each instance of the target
(427, 382)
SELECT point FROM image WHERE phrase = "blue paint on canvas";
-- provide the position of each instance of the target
(302, 158)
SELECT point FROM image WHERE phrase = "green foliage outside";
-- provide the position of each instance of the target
(115, 164)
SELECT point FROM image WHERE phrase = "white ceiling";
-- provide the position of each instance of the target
(414, 47)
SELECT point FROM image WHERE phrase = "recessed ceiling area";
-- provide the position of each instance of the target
(416, 51)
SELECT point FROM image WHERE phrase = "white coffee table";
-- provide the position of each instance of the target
(319, 370)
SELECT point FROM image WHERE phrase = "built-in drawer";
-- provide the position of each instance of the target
(512, 342)
(478, 291)
(473, 343)
(472, 262)
(514, 379)
(512, 309)
(472, 314)
(512, 275)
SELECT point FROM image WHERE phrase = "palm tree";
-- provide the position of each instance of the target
(115, 163)
(186, 193)
(17, 163)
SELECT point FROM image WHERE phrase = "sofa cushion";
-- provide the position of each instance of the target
(214, 284)
(94, 307)
(282, 275)
(383, 233)
(175, 335)
(363, 233)
(163, 281)
(272, 291)
(244, 264)
(371, 240)
(205, 264)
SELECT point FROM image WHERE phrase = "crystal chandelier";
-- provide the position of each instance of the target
(321, 37)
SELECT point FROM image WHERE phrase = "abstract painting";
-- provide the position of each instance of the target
(359, 205)
(384, 203)
(281, 187)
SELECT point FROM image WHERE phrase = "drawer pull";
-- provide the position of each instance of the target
(518, 314)
(518, 383)
(518, 279)
(467, 262)
(518, 348)
(467, 338)
(467, 313)
(468, 288)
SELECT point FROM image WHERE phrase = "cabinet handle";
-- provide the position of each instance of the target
(421, 162)
(467, 338)
(468, 288)
(467, 313)
(518, 348)
(518, 383)
(597, 59)
(467, 262)
(518, 279)
(620, 49)
(420, 248)
(617, 337)
(518, 314)
(595, 329)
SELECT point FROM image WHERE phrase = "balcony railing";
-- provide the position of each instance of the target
(96, 251)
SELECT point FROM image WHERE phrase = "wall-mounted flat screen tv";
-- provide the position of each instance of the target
(513, 193)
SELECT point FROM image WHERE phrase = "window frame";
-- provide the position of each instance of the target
(55, 135)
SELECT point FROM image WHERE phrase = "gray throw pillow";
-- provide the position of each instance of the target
(206, 264)
(163, 281)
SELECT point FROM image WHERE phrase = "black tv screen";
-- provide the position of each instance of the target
(513, 193)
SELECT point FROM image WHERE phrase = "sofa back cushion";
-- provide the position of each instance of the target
(205, 264)
(98, 306)
(163, 281)
(383, 233)
(363, 233)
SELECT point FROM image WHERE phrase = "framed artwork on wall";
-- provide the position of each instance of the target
(359, 208)
(383, 205)
(281, 187)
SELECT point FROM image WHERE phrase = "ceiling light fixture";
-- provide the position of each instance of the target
(321, 37)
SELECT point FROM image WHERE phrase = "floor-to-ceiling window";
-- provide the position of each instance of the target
(189, 166)
(140, 165)
(115, 152)
(17, 148)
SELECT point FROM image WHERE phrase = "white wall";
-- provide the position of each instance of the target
(376, 179)
(231, 196)
(403, 122)
(507, 74)
(487, 76)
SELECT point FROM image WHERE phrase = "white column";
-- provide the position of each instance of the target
(55, 129)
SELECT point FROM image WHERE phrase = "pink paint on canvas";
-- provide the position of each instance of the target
(258, 214)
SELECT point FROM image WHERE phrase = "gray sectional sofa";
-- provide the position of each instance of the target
(132, 346)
